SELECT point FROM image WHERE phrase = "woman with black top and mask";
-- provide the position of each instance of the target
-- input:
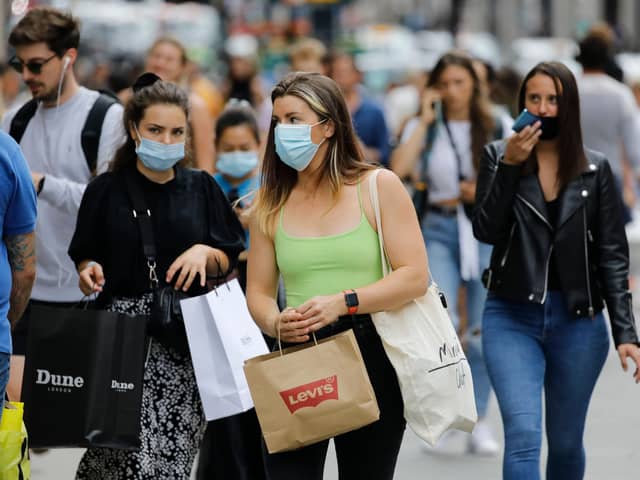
(550, 209)
(196, 235)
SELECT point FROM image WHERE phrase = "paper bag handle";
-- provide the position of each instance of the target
(313, 334)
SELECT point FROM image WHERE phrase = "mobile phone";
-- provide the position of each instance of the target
(524, 119)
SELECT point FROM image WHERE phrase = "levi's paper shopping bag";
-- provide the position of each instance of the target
(83, 378)
(222, 335)
(305, 394)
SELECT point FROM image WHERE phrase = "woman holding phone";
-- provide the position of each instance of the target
(550, 209)
(441, 147)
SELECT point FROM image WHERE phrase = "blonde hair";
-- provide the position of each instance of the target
(343, 164)
(308, 49)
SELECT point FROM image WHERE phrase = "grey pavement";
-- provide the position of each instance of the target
(612, 437)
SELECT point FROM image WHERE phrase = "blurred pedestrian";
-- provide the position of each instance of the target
(243, 81)
(11, 97)
(196, 234)
(313, 223)
(442, 146)
(238, 150)
(551, 210)
(308, 55)
(57, 133)
(607, 35)
(18, 247)
(167, 58)
(231, 447)
(609, 116)
(368, 117)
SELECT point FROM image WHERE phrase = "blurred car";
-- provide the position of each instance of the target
(526, 52)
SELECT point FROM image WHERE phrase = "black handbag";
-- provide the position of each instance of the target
(165, 323)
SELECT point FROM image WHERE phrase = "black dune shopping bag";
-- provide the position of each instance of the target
(83, 378)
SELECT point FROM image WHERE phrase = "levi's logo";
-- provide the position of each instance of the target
(311, 394)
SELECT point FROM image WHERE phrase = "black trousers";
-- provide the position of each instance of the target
(231, 449)
(369, 453)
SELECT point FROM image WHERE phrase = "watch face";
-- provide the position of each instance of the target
(351, 299)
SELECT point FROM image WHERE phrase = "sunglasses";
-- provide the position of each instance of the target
(34, 66)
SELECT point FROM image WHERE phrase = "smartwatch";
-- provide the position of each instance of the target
(351, 299)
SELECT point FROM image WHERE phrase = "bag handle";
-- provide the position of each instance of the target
(313, 334)
(375, 203)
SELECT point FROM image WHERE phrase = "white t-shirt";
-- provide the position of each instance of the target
(442, 169)
(52, 145)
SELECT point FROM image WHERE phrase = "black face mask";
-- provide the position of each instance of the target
(549, 128)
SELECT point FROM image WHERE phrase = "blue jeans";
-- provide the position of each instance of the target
(441, 239)
(530, 347)
(4, 378)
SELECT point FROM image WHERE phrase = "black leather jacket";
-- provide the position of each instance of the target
(589, 240)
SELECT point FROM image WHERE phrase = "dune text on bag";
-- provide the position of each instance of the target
(59, 383)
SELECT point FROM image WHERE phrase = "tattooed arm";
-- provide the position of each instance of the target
(21, 250)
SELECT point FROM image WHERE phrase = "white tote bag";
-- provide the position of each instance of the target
(222, 335)
(424, 349)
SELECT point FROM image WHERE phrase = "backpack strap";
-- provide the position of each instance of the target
(93, 128)
(22, 118)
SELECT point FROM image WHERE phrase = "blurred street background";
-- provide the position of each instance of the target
(393, 42)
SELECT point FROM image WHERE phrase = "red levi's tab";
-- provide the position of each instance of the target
(311, 394)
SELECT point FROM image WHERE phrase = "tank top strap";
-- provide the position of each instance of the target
(360, 198)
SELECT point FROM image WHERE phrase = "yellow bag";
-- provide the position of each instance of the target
(14, 448)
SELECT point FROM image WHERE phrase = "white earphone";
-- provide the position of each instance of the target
(67, 60)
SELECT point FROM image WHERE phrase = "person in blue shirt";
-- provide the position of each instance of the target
(17, 249)
(368, 117)
(232, 446)
(237, 148)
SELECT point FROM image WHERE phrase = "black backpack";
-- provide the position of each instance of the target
(90, 131)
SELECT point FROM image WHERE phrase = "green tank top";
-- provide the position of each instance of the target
(327, 265)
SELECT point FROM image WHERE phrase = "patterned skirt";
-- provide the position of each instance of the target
(172, 420)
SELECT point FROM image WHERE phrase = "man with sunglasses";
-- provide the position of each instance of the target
(46, 48)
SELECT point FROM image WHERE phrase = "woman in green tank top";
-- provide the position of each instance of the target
(313, 224)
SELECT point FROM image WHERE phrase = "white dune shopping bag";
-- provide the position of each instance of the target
(222, 335)
(424, 349)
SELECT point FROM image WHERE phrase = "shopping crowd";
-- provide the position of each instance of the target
(520, 221)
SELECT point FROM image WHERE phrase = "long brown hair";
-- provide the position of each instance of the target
(480, 115)
(570, 149)
(343, 164)
(159, 92)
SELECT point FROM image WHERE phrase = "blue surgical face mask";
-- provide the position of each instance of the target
(236, 164)
(158, 156)
(294, 145)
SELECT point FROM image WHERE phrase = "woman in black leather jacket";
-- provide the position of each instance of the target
(550, 208)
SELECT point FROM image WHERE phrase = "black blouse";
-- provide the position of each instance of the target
(187, 210)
